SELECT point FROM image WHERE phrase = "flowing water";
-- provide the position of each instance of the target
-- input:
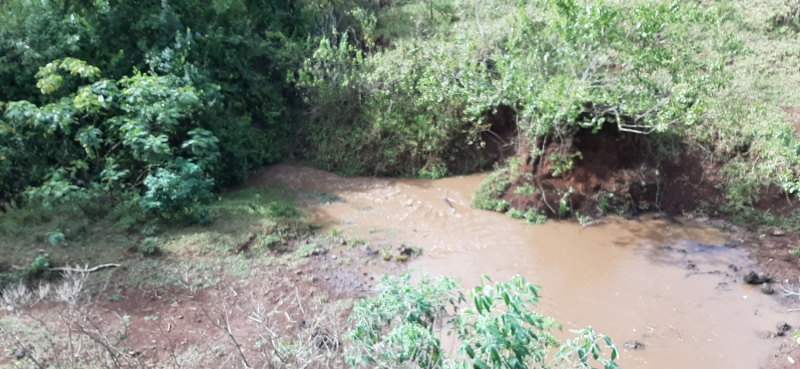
(665, 284)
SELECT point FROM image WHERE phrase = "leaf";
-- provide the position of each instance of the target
(479, 364)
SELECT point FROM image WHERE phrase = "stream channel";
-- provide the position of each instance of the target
(663, 283)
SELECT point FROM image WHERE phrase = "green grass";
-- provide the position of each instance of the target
(156, 252)
(487, 196)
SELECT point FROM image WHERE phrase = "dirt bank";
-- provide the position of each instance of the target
(612, 172)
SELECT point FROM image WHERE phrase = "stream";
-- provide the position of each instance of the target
(667, 284)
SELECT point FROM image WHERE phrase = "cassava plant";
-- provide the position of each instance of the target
(494, 323)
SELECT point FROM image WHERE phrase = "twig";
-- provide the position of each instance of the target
(67, 269)
(77, 270)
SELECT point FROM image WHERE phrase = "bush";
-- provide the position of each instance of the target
(239, 50)
(562, 66)
(487, 196)
(148, 245)
(179, 191)
(38, 267)
(497, 328)
(283, 210)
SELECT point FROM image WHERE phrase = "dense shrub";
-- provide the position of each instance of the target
(225, 76)
(494, 324)
(561, 65)
(179, 190)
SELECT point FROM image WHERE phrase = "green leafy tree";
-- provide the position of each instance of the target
(236, 52)
(110, 136)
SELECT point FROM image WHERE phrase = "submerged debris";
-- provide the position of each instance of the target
(634, 345)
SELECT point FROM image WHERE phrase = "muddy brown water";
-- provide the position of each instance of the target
(666, 285)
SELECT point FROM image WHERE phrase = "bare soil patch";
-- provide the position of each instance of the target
(237, 319)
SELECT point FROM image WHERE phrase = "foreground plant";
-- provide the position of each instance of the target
(403, 326)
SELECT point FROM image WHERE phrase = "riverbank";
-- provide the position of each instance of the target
(655, 284)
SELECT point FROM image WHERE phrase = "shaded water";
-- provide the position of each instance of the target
(666, 285)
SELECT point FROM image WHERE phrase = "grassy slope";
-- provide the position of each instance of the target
(753, 112)
(243, 228)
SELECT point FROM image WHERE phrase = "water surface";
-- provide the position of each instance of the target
(666, 285)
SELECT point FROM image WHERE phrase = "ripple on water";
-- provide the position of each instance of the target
(667, 286)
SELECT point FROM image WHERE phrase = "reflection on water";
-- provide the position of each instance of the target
(670, 286)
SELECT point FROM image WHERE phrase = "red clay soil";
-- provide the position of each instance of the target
(614, 167)
(611, 167)
(165, 322)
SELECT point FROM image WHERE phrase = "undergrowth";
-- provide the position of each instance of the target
(264, 218)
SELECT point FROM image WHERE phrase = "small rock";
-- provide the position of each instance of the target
(327, 278)
(717, 223)
(333, 257)
(344, 242)
(767, 289)
(777, 232)
(691, 266)
(405, 250)
(768, 335)
(734, 268)
(751, 278)
(41, 251)
(180, 317)
(737, 229)
(20, 353)
(783, 327)
(634, 345)
(299, 272)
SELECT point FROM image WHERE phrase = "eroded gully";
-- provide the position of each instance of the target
(668, 286)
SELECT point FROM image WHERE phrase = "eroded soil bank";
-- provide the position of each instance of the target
(672, 285)
(612, 172)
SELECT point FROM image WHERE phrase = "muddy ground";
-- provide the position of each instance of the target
(215, 326)
(773, 252)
